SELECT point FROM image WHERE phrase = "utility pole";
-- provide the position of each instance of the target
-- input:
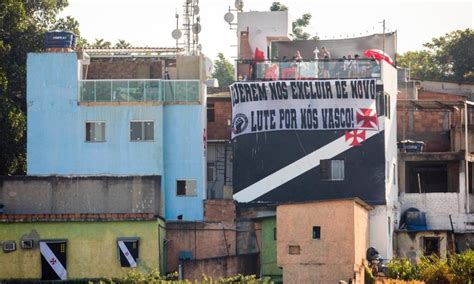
(383, 38)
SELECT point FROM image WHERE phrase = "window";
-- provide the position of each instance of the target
(210, 112)
(211, 172)
(127, 251)
(431, 246)
(332, 169)
(95, 131)
(316, 232)
(430, 177)
(293, 249)
(142, 131)
(186, 187)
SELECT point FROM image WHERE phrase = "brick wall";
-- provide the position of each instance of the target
(428, 95)
(203, 239)
(219, 128)
(221, 267)
(124, 69)
(245, 49)
(219, 210)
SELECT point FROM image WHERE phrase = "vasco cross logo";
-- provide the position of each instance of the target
(240, 123)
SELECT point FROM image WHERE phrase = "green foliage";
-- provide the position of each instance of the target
(456, 269)
(277, 6)
(462, 266)
(298, 25)
(134, 276)
(101, 43)
(434, 270)
(22, 28)
(122, 44)
(401, 268)
(369, 276)
(223, 71)
(450, 57)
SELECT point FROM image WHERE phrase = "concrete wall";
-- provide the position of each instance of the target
(263, 26)
(330, 258)
(462, 89)
(184, 158)
(410, 245)
(268, 254)
(56, 126)
(438, 207)
(54, 194)
(91, 247)
(56, 135)
(384, 217)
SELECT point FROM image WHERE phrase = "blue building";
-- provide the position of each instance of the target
(121, 113)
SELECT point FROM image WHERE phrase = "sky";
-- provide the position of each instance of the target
(150, 22)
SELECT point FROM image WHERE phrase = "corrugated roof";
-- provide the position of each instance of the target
(133, 50)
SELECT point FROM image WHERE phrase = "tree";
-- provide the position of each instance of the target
(449, 57)
(122, 44)
(101, 43)
(22, 28)
(298, 25)
(277, 6)
(223, 71)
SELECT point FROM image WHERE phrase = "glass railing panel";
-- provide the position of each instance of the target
(139, 90)
(136, 91)
(153, 91)
(310, 69)
(87, 91)
(103, 91)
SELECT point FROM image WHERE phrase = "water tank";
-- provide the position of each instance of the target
(60, 39)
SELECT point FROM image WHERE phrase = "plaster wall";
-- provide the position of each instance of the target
(91, 247)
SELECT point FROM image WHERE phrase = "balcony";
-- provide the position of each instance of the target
(249, 70)
(167, 91)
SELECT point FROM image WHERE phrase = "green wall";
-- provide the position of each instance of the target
(91, 247)
(268, 256)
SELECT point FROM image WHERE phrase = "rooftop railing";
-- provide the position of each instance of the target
(307, 69)
(139, 90)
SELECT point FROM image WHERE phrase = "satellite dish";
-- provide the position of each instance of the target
(176, 34)
(239, 4)
(196, 10)
(197, 28)
(229, 17)
(209, 66)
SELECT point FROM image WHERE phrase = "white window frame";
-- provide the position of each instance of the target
(143, 129)
(213, 168)
(85, 131)
(331, 177)
(186, 195)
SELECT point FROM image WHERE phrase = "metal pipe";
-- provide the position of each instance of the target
(466, 156)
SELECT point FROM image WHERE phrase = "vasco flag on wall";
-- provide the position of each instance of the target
(128, 252)
(53, 260)
(303, 105)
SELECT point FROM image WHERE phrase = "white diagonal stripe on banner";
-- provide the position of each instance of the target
(127, 254)
(296, 168)
(53, 261)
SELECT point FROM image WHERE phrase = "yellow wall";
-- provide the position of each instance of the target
(91, 247)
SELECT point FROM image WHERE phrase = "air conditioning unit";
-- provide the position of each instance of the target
(9, 246)
(27, 244)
